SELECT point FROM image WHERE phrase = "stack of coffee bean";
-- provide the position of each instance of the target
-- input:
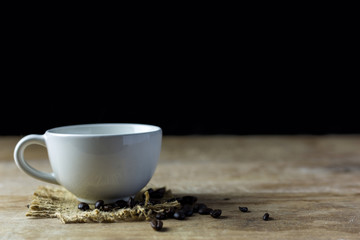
(189, 207)
(188, 204)
(110, 207)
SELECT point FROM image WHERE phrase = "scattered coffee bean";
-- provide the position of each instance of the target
(158, 193)
(131, 202)
(226, 199)
(266, 217)
(188, 210)
(28, 205)
(188, 200)
(188, 207)
(160, 216)
(243, 209)
(154, 201)
(121, 204)
(142, 203)
(156, 224)
(114, 206)
(216, 213)
(179, 215)
(107, 208)
(171, 200)
(205, 211)
(150, 190)
(170, 212)
(83, 206)
(99, 204)
(198, 206)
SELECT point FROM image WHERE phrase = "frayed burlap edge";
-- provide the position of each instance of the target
(57, 202)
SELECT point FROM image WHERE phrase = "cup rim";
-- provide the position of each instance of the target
(65, 130)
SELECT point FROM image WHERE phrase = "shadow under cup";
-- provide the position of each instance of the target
(97, 161)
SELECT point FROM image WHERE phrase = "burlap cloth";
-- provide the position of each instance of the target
(57, 202)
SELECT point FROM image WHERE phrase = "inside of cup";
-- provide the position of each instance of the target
(105, 129)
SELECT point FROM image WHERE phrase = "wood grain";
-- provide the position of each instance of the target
(310, 186)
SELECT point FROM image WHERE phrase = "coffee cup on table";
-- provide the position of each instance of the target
(97, 161)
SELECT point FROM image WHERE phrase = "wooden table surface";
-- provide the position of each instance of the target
(310, 186)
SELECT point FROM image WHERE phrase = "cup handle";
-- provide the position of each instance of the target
(23, 165)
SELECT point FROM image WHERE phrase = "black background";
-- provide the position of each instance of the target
(220, 76)
(186, 107)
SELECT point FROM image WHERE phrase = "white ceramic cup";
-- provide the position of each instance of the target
(97, 161)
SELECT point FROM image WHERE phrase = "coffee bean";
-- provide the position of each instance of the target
(131, 202)
(142, 203)
(243, 209)
(99, 204)
(156, 224)
(170, 212)
(266, 217)
(179, 215)
(150, 191)
(216, 213)
(190, 200)
(188, 210)
(83, 206)
(154, 201)
(171, 200)
(121, 204)
(160, 216)
(107, 208)
(197, 206)
(158, 193)
(205, 211)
